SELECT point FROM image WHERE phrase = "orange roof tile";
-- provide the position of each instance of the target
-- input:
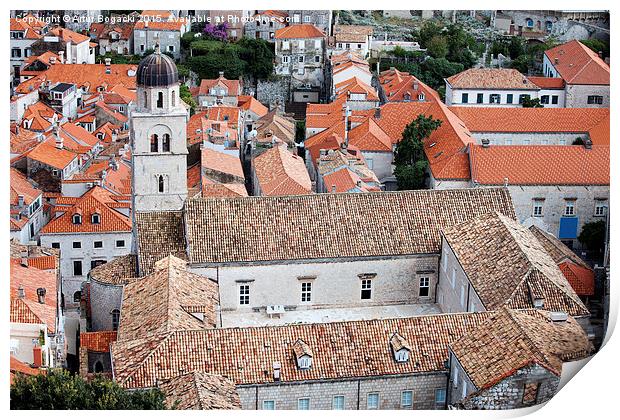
(223, 190)
(98, 341)
(18, 366)
(42, 262)
(48, 154)
(578, 64)
(580, 278)
(279, 172)
(233, 86)
(97, 200)
(221, 162)
(487, 78)
(68, 35)
(299, 31)
(250, 103)
(399, 85)
(21, 186)
(27, 309)
(171, 25)
(540, 165)
(547, 82)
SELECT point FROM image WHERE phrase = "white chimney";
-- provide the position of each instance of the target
(61, 55)
(52, 60)
(276, 371)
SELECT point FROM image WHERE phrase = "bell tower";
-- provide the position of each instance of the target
(158, 123)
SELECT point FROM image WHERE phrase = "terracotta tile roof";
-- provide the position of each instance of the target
(41, 58)
(40, 117)
(510, 340)
(21, 186)
(355, 85)
(555, 248)
(42, 262)
(526, 271)
(272, 124)
(297, 226)
(540, 165)
(23, 141)
(47, 153)
(535, 120)
(279, 172)
(547, 82)
(19, 367)
(352, 33)
(25, 26)
(580, 278)
(95, 201)
(369, 136)
(159, 234)
(27, 309)
(397, 85)
(250, 103)
(223, 190)
(232, 352)
(303, 30)
(98, 341)
(353, 160)
(275, 13)
(578, 64)
(213, 160)
(233, 86)
(155, 25)
(345, 180)
(116, 272)
(201, 391)
(68, 35)
(91, 76)
(169, 299)
(486, 78)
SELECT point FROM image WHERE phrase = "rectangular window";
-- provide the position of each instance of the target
(300, 58)
(440, 396)
(56, 245)
(303, 404)
(480, 98)
(544, 99)
(530, 393)
(285, 59)
(98, 244)
(537, 207)
(595, 100)
(317, 58)
(509, 98)
(338, 402)
(424, 286)
(554, 99)
(569, 209)
(494, 98)
(366, 288)
(244, 294)
(77, 268)
(306, 292)
(406, 399)
(464, 98)
(77, 244)
(120, 243)
(372, 401)
(600, 208)
(269, 405)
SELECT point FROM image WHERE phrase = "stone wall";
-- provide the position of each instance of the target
(355, 392)
(577, 96)
(104, 298)
(271, 92)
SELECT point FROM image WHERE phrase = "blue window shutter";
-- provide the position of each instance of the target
(568, 227)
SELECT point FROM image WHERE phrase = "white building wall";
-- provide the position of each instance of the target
(528, 139)
(456, 96)
(577, 96)
(22, 339)
(335, 283)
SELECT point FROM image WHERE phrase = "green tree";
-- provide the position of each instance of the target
(61, 390)
(409, 157)
(593, 236)
(531, 103)
(428, 31)
(597, 45)
(437, 47)
(187, 97)
(434, 70)
(258, 55)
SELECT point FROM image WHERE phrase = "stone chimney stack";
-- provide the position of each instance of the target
(61, 54)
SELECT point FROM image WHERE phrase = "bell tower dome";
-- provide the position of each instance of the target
(158, 123)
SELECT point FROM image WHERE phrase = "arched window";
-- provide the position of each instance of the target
(95, 219)
(529, 23)
(98, 366)
(160, 99)
(173, 99)
(160, 182)
(77, 296)
(154, 142)
(166, 143)
(76, 219)
(116, 318)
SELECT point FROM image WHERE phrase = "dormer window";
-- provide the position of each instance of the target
(76, 219)
(400, 348)
(303, 354)
(95, 219)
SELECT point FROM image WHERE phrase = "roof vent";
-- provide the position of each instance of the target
(400, 348)
(21, 293)
(41, 294)
(587, 144)
(303, 354)
(558, 316)
(276, 371)
(486, 142)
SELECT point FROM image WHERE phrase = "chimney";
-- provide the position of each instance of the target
(600, 54)
(20, 200)
(558, 316)
(347, 127)
(333, 188)
(276, 371)
(323, 152)
(59, 140)
(221, 75)
(52, 60)
(37, 354)
(61, 54)
(416, 85)
(108, 62)
(359, 183)
(21, 293)
(377, 113)
(556, 60)
(486, 143)
(23, 261)
(587, 144)
(41, 294)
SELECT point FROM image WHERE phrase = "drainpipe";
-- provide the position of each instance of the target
(358, 394)
(256, 398)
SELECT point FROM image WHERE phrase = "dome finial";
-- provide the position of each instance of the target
(157, 49)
